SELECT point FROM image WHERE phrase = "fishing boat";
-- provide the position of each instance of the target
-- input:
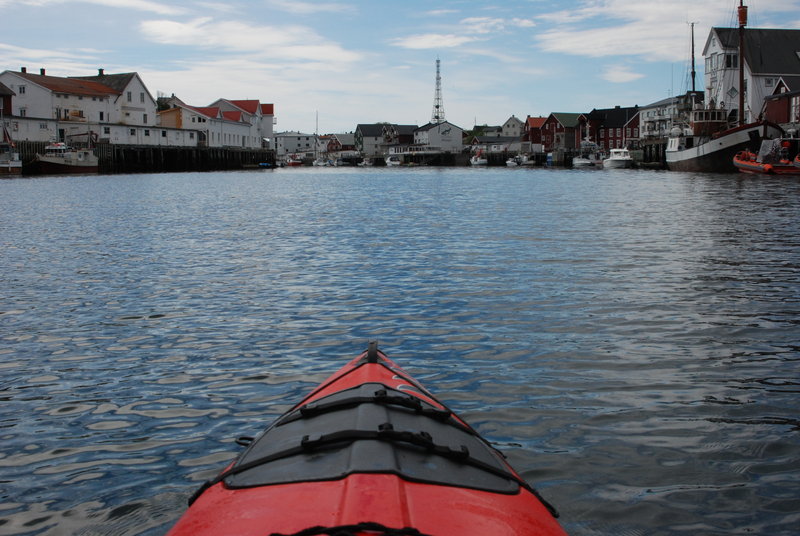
(590, 155)
(618, 159)
(708, 142)
(774, 158)
(368, 452)
(10, 162)
(293, 161)
(61, 158)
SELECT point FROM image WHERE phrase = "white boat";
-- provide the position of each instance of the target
(393, 160)
(519, 161)
(61, 158)
(10, 163)
(478, 159)
(618, 159)
(590, 155)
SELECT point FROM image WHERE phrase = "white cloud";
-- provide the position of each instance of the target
(284, 42)
(620, 74)
(656, 31)
(310, 8)
(139, 5)
(432, 40)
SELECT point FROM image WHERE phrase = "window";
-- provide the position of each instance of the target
(163, 133)
(130, 97)
(43, 126)
(619, 132)
(635, 132)
(21, 90)
(101, 116)
(602, 133)
(107, 131)
(731, 61)
(191, 135)
(794, 104)
(141, 97)
(628, 132)
(768, 82)
(194, 119)
(133, 132)
(144, 118)
(23, 112)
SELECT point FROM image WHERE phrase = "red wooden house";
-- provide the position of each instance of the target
(783, 106)
(614, 128)
(561, 131)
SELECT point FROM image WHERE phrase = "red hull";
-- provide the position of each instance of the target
(747, 162)
(380, 497)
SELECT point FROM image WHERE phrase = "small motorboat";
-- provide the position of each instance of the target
(479, 159)
(368, 452)
(773, 158)
(618, 158)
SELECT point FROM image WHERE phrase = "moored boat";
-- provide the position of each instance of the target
(697, 149)
(618, 159)
(478, 159)
(519, 160)
(292, 161)
(714, 135)
(61, 158)
(774, 158)
(10, 162)
(369, 451)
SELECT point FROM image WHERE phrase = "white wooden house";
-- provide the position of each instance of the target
(444, 136)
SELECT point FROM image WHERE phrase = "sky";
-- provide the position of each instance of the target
(329, 66)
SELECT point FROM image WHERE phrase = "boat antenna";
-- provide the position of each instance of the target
(742, 24)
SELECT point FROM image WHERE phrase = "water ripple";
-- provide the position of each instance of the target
(627, 339)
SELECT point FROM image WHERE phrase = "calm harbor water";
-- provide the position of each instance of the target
(629, 339)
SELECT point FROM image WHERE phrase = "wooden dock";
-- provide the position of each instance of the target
(157, 159)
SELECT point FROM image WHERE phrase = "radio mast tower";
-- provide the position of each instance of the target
(437, 116)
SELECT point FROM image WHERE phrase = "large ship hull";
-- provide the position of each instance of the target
(716, 154)
(57, 168)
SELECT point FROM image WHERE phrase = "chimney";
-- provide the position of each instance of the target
(23, 69)
(100, 72)
(41, 71)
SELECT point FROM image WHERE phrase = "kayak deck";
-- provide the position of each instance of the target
(369, 445)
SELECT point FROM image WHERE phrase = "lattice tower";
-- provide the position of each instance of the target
(437, 116)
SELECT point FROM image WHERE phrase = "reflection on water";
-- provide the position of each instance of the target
(629, 339)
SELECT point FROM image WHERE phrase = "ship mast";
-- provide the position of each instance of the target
(694, 72)
(742, 24)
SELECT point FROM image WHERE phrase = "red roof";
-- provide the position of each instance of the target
(232, 116)
(208, 111)
(267, 109)
(249, 106)
(536, 122)
(71, 86)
